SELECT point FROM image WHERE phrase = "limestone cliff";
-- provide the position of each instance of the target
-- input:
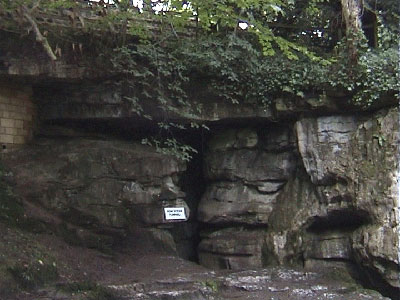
(304, 182)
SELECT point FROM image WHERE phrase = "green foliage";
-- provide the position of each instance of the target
(154, 80)
(151, 72)
(238, 67)
(210, 284)
(237, 71)
(160, 60)
(34, 275)
(373, 78)
(170, 146)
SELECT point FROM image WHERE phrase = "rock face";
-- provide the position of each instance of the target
(82, 101)
(232, 248)
(312, 191)
(304, 182)
(98, 188)
(246, 171)
(374, 180)
(324, 146)
(330, 200)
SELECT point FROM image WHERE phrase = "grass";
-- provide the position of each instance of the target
(33, 275)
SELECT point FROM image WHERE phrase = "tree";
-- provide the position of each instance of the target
(351, 11)
(184, 40)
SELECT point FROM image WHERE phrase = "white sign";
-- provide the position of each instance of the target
(174, 213)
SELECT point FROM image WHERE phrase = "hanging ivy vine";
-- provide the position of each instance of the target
(290, 48)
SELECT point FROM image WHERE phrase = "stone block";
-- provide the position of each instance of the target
(19, 124)
(4, 99)
(5, 138)
(23, 132)
(237, 139)
(249, 164)
(6, 122)
(17, 115)
(17, 102)
(228, 202)
(11, 107)
(11, 131)
(232, 248)
(18, 139)
(329, 246)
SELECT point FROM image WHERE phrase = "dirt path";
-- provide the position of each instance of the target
(138, 272)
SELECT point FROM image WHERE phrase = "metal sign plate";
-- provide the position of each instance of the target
(174, 213)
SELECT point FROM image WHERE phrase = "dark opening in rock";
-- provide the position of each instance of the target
(344, 220)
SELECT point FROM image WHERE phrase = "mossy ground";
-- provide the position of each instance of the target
(30, 262)
(27, 264)
(24, 263)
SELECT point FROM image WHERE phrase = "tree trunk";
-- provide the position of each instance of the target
(351, 12)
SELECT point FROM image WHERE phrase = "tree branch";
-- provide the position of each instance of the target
(39, 37)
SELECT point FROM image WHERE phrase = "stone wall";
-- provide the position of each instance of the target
(17, 115)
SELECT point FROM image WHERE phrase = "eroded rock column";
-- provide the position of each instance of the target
(245, 170)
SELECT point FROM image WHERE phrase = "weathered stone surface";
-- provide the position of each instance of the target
(232, 248)
(268, 187)
(19, 67)
(233, 139)
(24, 58)
(375, 165)
(324, 147)
(261, 284)
(277, 138)
(247, 170)
(374, 175)
(338, 207)
(296, 206)
(249, 165)
(285, 107)
(376, 248)
(337, 210)
(227, 202)
(355, 169)
(334, 245)
(98, 183)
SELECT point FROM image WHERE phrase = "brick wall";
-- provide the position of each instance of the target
(17, 115)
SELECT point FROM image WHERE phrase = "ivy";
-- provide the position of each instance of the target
(160, 61)
(171, 146)
(374, 78)
(237, 71)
